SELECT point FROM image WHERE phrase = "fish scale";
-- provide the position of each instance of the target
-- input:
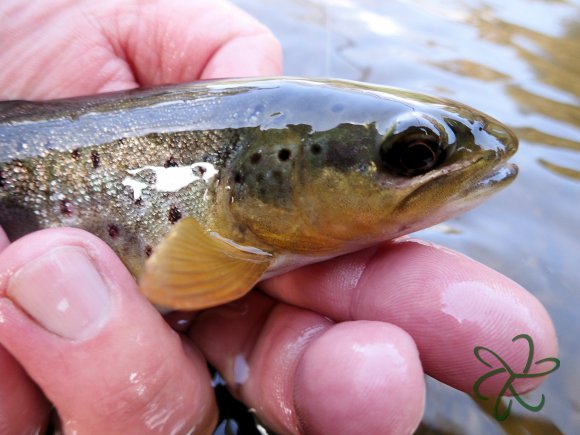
(80, 188)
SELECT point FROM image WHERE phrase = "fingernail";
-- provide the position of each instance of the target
(63, 291)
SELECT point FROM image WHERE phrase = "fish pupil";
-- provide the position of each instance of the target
(418, 156)
(410, 156)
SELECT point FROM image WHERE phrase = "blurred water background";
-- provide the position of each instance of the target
(519, 61)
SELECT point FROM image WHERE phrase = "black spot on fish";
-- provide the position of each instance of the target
(255, 158)
(2, 179)
(113, 231)
(259, 178)
(238, 178)
(96, 159)
(148, 251)
(75, 154)
(284, 154)
(315, 148)
(174, 214)
(66, 207)
(277, 175)
(139, 202)
(170, 163)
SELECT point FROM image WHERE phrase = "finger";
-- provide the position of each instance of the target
(447, 302)
(3, 240)
(179, 40)
(99, 351)
(304, 374)
(23, 408)
(125, 44)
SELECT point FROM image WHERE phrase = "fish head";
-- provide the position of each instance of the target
(438, 161)
(412, 161)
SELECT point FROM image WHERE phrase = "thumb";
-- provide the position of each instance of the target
(110, 364)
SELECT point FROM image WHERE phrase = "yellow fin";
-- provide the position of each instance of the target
(193, 269)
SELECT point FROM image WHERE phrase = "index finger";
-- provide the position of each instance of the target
(447, 302)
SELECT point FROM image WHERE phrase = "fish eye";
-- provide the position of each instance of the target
(410, 150)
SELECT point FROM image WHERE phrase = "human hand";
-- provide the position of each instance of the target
(334, 347)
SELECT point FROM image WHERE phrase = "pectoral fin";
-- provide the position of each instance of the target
(193, 269)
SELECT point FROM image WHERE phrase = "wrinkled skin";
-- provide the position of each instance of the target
(341, 344)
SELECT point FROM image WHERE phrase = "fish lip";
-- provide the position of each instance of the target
(498, 176)
(502, 173)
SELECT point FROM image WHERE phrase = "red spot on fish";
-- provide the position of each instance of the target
(113, 231)
(66, 207)
(170, 163)
(198, 171)
(174, 214)
(96, 159)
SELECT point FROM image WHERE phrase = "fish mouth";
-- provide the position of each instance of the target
(474, 175)
(480, 166)
(455, 189)
(473, 180)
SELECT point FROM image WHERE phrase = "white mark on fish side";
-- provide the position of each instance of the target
(170, 179)
(137, 187)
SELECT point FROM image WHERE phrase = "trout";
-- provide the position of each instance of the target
(204, 189)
